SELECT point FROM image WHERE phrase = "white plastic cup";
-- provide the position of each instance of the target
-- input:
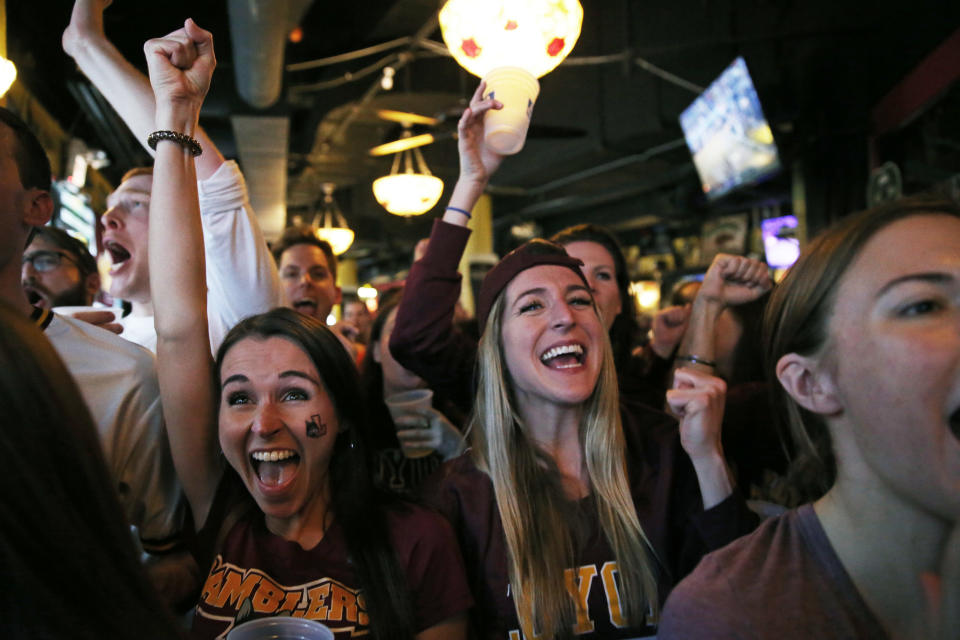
(505, 130)
(409, 403)
(281, 628)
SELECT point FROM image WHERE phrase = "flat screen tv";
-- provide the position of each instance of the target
(725, 129)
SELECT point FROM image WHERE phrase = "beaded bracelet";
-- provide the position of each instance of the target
(692, 359)
(458, 210)
(181, 139)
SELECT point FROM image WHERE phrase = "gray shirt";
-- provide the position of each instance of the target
(783, 581)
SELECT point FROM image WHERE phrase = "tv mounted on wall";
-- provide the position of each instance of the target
(730, 139)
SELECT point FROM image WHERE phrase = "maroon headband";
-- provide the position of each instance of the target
(534, 253)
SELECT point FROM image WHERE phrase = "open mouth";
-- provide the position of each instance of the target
(955, 424)
(275, 468)
(306, 306)
(118, 253)
(565, 356)
(33, 296)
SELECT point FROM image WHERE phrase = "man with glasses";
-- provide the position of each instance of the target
(58, 270)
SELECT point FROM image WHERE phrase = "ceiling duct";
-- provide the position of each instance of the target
(258, 32)
(262, 146)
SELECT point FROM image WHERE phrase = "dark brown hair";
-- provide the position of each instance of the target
(65, 549)
(796, 321)
(625, 324)
(77, 250)
(32, 161)
(292, 236)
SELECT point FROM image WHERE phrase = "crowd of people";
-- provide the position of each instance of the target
(775, 461)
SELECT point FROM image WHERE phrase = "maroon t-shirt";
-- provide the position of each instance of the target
(257, 574)
(666, 496)
(783, 581)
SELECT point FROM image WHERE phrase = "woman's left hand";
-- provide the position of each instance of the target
(697, 399)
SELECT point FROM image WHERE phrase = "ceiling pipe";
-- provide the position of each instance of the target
(403, 58)
(262, 145)
(258, 32)
(350, 55)
(606, 167)
(563, 204)
(577, 176)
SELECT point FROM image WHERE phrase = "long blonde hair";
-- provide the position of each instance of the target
(531, 502)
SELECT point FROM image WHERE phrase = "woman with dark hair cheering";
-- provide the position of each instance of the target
(292, 525)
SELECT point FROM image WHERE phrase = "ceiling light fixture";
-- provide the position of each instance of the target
(510, 43)
(386, 80)
(8, 73)
(329, 224)
(410, 193)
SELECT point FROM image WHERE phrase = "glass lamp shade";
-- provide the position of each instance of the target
(8, 73)
(408, 194)
(535, 35)
(339, 238)
(330, 225)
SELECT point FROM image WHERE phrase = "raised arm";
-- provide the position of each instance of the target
(123, 85)
(477, 161)
(698, 396)
(424, 339)
(730, 281)
(180, 66)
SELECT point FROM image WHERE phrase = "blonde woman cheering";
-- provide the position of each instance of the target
(575, 514)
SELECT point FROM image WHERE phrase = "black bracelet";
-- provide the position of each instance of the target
(181, 139)
(692, 359)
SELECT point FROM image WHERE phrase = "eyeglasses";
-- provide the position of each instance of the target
(46, 261)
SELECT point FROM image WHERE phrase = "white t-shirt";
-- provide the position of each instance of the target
(118, 381)
(242, 276)
(139, 330)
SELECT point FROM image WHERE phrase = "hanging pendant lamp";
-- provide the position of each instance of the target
(330, 225)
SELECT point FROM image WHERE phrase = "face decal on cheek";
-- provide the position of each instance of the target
(316, 427)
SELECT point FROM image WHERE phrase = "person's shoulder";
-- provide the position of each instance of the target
(702, 606)
(70, 334)
(742, 563)
(708, 603)
(726, 594)
(227, 174)
(749, 558)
